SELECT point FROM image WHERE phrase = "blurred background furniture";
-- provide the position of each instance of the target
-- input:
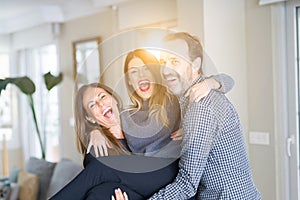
(39, 180)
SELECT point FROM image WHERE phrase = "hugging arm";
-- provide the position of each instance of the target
(226, 82)
(220, 82)
(99, 142)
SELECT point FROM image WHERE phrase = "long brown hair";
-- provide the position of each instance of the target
(158, 100)
(83, 126)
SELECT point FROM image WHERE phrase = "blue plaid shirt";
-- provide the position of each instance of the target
(214, 162)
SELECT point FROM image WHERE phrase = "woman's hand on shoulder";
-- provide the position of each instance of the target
(119, 195)
(99, 142)
(177, 135)
(199, 90)
(202, 89)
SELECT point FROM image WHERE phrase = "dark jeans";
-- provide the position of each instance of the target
(98, 180)
(107, 189)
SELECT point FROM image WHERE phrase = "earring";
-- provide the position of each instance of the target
(90, 120)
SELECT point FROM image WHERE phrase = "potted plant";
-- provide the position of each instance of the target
(27, 86)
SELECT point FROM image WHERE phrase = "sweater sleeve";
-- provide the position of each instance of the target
(225, 81)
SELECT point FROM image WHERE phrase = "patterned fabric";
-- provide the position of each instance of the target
(214, 162)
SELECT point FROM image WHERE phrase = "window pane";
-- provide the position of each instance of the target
(39, 61)
(5, 100)
(48, 59)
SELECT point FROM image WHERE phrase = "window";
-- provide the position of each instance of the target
(35, 63)
(5, 101)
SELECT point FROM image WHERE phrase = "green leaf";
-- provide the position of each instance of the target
(24, 83)
(51, 80)
(3, 84)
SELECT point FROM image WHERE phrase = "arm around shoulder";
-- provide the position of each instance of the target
(224, 82)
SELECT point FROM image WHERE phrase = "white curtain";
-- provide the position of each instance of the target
(26, 126)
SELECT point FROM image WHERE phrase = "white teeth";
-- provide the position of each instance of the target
(106, 110)
(171, 79)
(144, 82)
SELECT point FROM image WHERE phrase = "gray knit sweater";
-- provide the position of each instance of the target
(146, 135)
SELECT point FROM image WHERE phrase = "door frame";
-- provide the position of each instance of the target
(292, 141)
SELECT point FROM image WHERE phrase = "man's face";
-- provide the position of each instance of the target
(177, 69)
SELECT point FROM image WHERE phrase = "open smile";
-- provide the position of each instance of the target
(170, 79)
(107, 112)
(144, 85)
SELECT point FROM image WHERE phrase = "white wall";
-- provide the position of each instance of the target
(143, 12)
(260, 94)
(191, 12)
(42, 35)
(225, 44)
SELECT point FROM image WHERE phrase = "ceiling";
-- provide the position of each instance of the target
(16, 15)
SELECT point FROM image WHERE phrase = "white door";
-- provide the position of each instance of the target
(293, 52)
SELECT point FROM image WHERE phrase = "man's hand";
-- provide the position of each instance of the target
(99, 142)
(119, 195)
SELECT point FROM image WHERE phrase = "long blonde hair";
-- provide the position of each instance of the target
(158, 100)
(83, 126)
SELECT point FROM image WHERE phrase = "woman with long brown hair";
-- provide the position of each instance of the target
(97, 107)
(85, 121)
